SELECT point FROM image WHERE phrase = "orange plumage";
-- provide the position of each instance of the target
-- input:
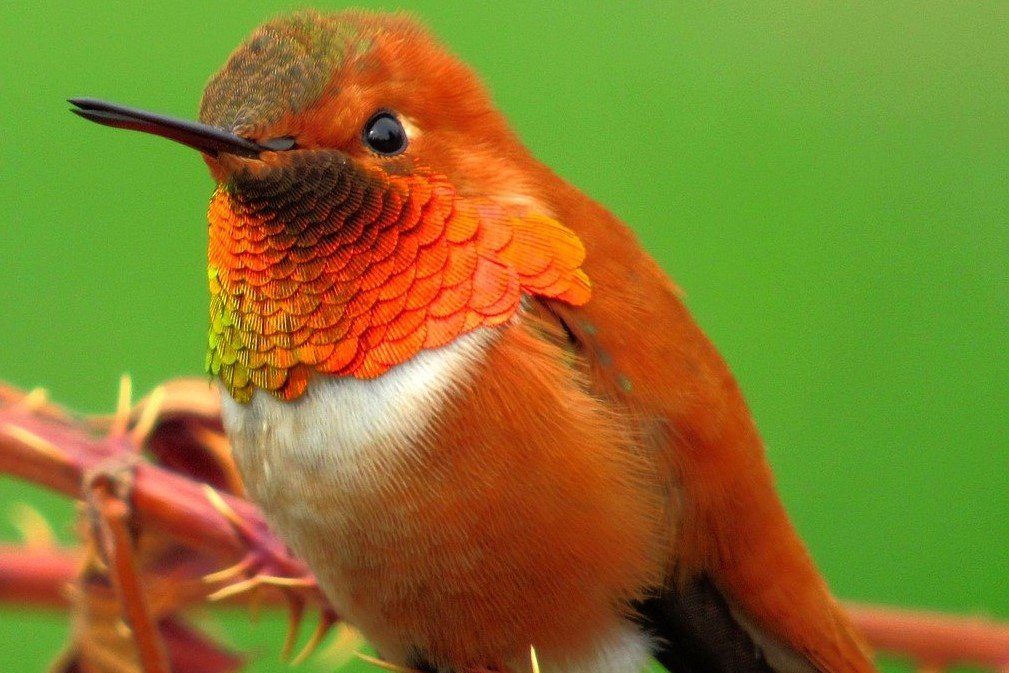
(461, 390)
(359, 271)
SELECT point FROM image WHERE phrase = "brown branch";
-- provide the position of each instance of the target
(113, 518)
(932, 640)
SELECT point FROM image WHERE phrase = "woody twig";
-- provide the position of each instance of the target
(51, 450)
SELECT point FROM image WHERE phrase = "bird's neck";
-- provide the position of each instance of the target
(341, 272)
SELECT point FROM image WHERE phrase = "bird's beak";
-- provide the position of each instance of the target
(208, 139)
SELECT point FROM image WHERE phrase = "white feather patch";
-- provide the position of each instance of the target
(625, 650)
(346, 425)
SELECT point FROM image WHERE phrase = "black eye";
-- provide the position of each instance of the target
(385, 134)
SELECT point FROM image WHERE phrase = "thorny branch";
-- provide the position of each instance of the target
(43, 445)
(154, 539)
(117, 544)
(166, 514)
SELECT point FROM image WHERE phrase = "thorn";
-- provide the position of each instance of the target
(534, 660)
(381, 663)
(72, 592)
(35, 399)
(217, 444)
(92, 559)
(29, 438)
(342, 646)
(230, 572)
(32, 527)
(123, 404)
(123, 629)
(296, 612)
(234, 589)
(287, 582)
(326, 621)
(216, 441)
(221, 505)
(148, 416)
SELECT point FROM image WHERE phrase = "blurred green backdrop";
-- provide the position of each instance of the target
(828, 184)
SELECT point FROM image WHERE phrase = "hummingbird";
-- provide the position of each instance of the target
(463, 392)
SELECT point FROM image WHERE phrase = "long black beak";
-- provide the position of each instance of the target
(203, 137)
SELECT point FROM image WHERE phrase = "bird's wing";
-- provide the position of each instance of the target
(644, 353)
(695, 631)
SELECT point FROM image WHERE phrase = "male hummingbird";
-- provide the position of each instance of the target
(462, 391)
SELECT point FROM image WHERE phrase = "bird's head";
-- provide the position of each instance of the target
(371, 202)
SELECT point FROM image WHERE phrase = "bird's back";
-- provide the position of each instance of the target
(646, 356)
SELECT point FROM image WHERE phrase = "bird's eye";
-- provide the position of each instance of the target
(385, 134)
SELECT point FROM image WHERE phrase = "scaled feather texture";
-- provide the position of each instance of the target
(322, 265)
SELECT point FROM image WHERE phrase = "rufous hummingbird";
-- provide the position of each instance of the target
(462, 391)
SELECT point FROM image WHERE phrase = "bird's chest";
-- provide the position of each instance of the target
(334, 469)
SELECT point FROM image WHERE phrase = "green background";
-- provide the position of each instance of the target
(827, 183)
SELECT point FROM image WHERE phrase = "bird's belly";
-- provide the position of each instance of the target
(346, 476)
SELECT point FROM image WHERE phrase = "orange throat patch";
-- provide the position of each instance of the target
(319, 265)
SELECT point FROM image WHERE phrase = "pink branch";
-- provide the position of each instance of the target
(37, 577)
(933, 640)
(54, 453)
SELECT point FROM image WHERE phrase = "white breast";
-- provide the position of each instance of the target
(350, 424)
